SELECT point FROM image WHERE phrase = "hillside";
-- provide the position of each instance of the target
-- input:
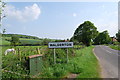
(25, 40)
(20, 36)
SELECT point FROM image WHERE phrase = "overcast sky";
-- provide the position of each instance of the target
(58, 20)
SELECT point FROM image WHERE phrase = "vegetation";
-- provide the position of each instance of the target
(25, 40)
(20, 36)
(2, 6)
(4, 30)
(116, 47)
(81, 62)
(4, 42)
(81, 58)
(102, 38)
(88, 63)
(85, 33)
(29, 42)
(118, 36)
(14, 40)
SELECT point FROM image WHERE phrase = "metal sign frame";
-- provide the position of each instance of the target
(54, 45)
(60, 44)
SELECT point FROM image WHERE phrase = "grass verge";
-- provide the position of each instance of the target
(88, 63)
(116, 47)
(84, 63)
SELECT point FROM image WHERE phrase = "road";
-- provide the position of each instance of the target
(108, 59)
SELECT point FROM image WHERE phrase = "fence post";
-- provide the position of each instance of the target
(67, 55)
(38, 50)
(19, 53)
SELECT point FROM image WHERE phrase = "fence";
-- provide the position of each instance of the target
(16, 64)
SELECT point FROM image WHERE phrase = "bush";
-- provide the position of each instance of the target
(116, 43)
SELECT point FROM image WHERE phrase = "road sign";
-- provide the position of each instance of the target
(60, 44)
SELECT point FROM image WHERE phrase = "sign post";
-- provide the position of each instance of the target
(54, 57)
(60, 45)
(67, 55)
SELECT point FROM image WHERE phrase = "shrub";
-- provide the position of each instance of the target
(75, 68)
(59, 70)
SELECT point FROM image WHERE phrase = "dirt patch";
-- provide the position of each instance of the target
(71, 76)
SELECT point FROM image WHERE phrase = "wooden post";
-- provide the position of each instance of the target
(54, 57)
(38, 50)
(19, 53)
(67, 55)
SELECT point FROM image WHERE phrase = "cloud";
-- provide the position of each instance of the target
(27, 14)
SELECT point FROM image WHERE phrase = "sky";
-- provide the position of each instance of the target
(59, 20)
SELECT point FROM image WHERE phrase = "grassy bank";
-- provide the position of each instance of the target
(84, 64)
(116, 47)
(88, 62)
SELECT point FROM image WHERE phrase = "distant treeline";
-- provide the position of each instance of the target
(20, 36)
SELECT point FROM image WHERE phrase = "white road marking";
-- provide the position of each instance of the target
(96, 55)
(108, 51)
(101, 72)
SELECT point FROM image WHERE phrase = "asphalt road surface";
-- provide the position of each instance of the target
(108, 59)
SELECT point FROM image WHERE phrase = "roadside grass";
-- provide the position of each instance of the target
(116, 47)
(84, 63)
(88, 62)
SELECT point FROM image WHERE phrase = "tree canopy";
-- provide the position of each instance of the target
(118, 36)
(85, 33)
(14, 40)
(102, 38)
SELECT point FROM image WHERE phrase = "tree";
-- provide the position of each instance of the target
(4, 30)
(103, 38)
(2, 15)
(85, 33)
(14, 40)
(76, 42)
(2, 6)
(45, 41)
(118, 36)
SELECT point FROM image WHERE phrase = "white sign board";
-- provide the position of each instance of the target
(60, 44)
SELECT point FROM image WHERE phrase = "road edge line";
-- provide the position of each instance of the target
(101, 75)
(95, 55)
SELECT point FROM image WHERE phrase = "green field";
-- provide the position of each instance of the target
(23, 41)
(81, 62)
(4, 42)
